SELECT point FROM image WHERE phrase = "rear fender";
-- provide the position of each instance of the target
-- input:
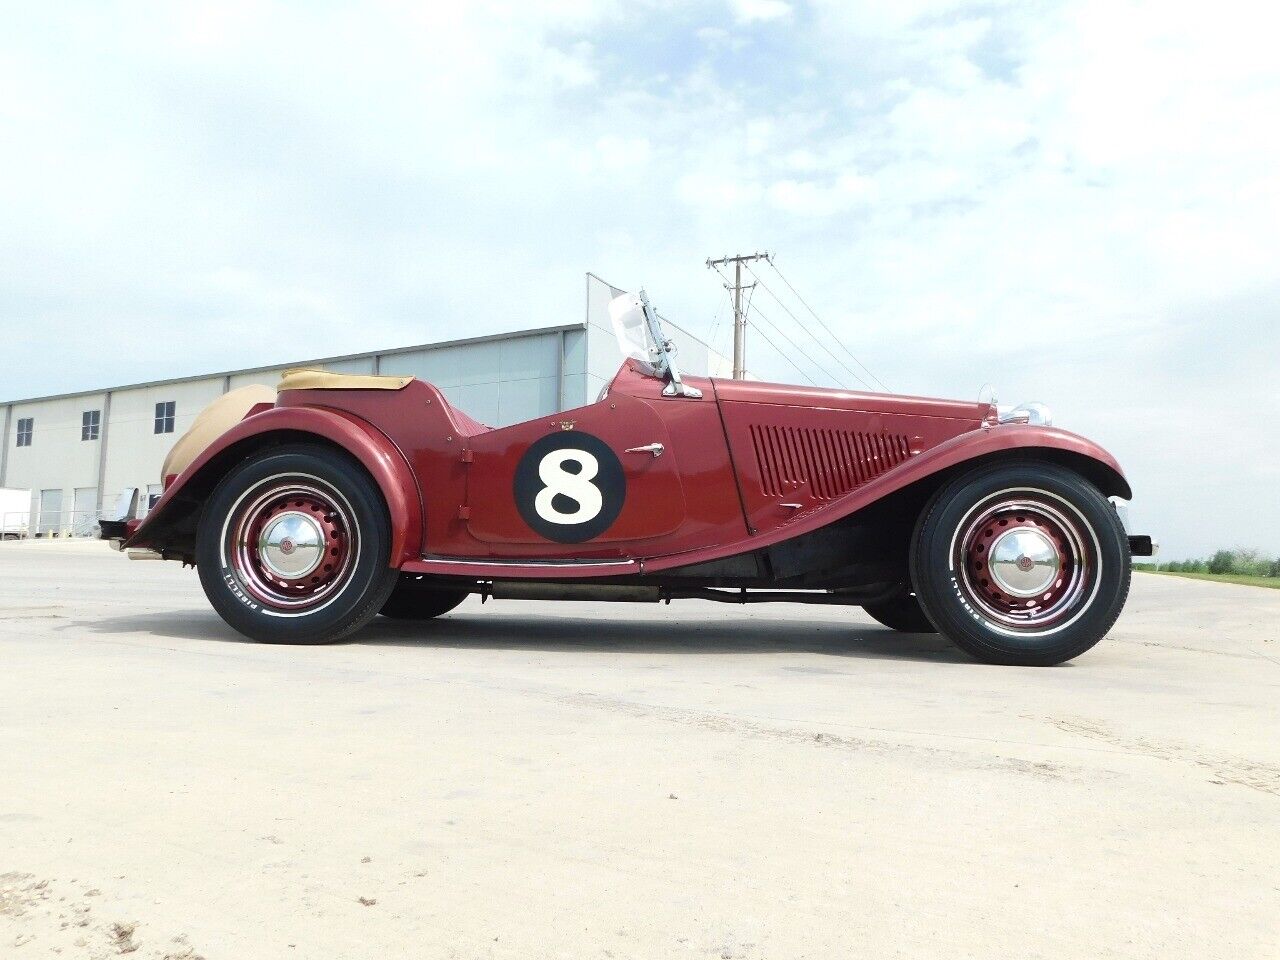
(185, 495)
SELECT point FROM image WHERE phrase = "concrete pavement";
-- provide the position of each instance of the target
(532, 780)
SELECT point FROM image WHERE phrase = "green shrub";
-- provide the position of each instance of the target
(1224, 561)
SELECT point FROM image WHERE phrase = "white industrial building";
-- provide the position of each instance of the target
(75, 452)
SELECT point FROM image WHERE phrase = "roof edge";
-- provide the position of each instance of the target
(391, 351)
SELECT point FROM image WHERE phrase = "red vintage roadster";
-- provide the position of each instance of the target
(310, 512)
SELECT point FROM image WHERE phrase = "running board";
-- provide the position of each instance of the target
(521, 569)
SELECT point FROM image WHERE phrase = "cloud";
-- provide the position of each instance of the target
(760, 11)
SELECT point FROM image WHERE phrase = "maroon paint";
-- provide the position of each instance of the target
(447, 456)
(807, 457)
(378, 455)
(447, 478)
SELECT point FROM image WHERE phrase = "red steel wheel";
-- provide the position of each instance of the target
(291, 543)
(294, 546)
(1025, 560)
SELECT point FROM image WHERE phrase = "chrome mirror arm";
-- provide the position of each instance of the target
(664, 356)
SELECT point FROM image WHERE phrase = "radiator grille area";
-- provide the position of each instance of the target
(831, 462)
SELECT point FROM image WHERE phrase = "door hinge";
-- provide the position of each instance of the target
(464, 513)
(466, 457)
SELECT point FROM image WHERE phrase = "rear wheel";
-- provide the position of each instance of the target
(294, 547)
(901, 613)
(415, 600)
(1023, 564)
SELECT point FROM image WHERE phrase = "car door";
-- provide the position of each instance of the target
(599, 480)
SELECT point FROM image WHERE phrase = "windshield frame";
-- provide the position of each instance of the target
(664, 355)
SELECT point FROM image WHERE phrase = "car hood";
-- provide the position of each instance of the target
(781, 394)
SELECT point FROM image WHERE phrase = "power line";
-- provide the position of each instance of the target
(742, 319)
(715, 323)
(816, 339)
(784, 356)
(825, 327)
(778, 330)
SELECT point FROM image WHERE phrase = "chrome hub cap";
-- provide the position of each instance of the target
(292, 545)
(1024, 561)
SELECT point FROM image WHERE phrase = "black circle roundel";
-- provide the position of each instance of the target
(569, 487)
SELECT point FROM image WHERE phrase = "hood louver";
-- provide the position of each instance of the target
(830, 462)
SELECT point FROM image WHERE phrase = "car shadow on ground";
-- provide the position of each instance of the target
(476, 630)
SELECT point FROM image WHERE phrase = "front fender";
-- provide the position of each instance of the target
(1098, 466)
(930, 469)
(970, 449)
(276, 425)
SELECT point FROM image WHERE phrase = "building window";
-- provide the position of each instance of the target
(26, 427)
(90, 424)
(164, 417)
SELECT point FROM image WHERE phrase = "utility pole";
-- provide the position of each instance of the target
(739, 317)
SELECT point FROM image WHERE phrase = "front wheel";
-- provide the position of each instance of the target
(294, 546)
(1024, 564)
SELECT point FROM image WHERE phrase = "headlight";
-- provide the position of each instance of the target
(1036, 414)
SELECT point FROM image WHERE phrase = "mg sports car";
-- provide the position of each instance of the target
(309, 510)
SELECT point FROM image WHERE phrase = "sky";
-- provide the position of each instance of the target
(1076, 203)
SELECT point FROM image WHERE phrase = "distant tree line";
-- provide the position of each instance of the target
(1241, 562)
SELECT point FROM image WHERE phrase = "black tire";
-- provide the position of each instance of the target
(353, 530)
(901, 613)
(1084, 567)
(412, 600)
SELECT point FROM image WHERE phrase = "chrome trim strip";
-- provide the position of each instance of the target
(549, 564)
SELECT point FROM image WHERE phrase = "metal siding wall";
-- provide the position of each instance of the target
(498, 382)
(265, 378)
(136, 451)
(57, 458)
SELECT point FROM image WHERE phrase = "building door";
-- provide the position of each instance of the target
(50, 521)
(84, 514)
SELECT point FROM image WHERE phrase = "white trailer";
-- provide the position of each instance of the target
(15, 513)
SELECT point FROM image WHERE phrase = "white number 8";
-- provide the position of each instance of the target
(576, 486)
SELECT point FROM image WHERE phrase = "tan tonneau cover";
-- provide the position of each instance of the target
(212, 422)
(307, 378)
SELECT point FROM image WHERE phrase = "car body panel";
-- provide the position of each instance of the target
(651, 495)
(975, 447)
(794, 459)
(361, 439)
(745, 467)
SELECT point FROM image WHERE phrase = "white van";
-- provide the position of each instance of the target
(15, 513)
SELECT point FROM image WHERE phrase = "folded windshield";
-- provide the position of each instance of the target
(640, 337)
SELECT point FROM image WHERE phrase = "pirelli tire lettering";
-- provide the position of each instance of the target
(569, 487)
(229, 578)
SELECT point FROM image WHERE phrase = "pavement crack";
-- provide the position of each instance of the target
(1253, 774)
